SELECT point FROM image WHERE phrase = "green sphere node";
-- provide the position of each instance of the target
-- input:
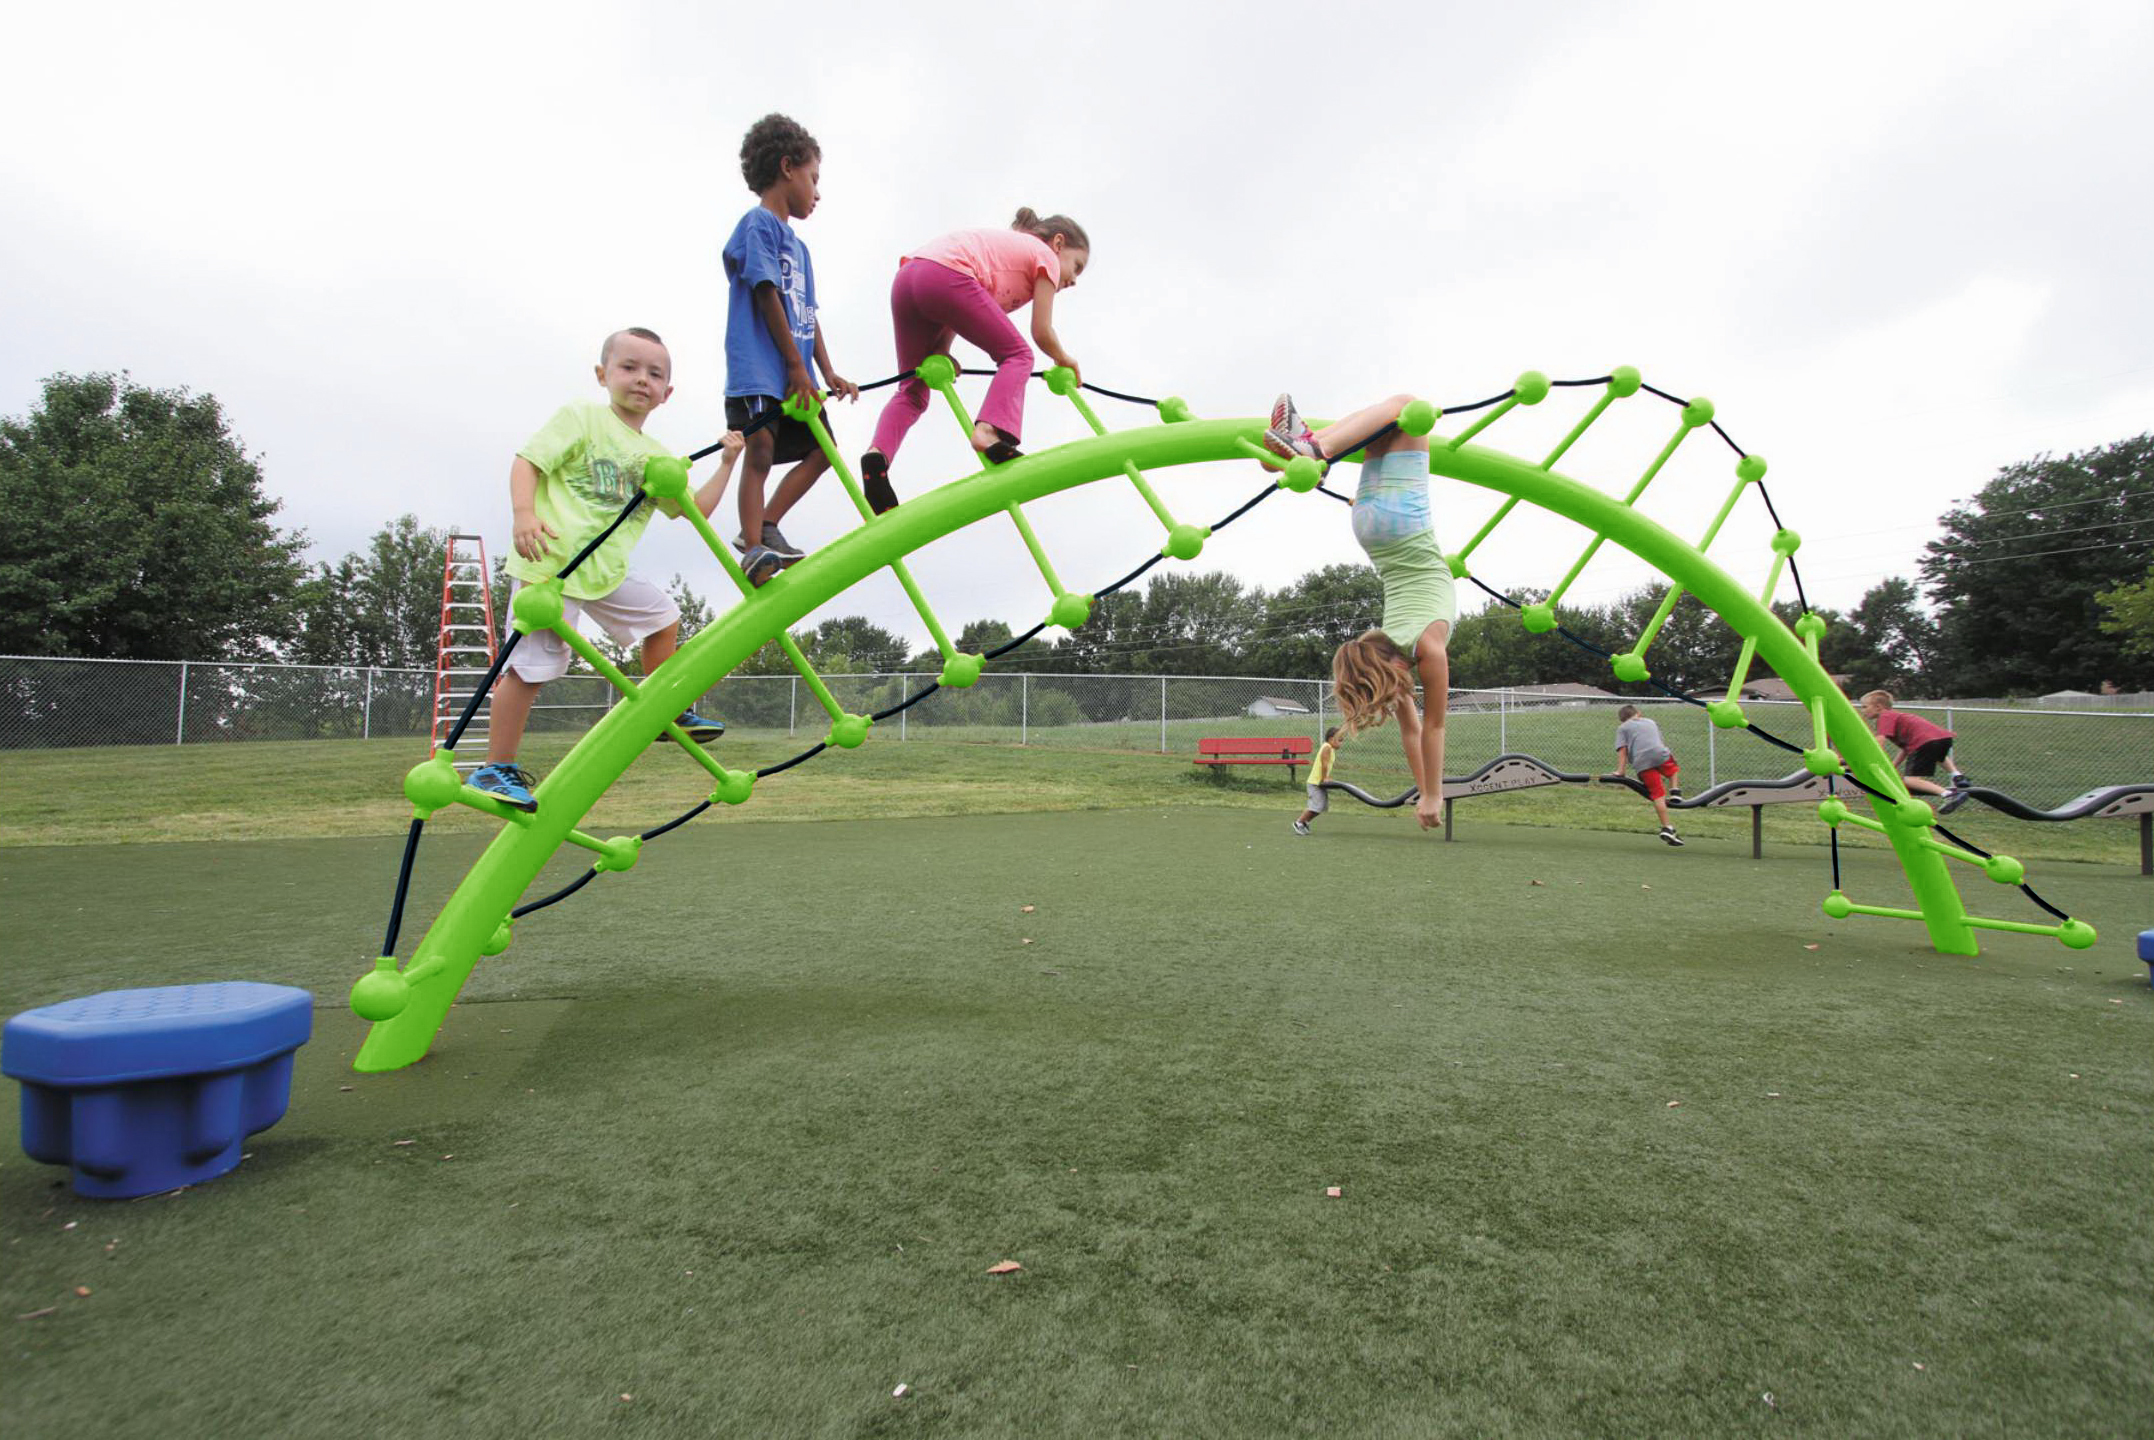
(1531, 388)
(499, 940)
(1185, 542)
(1540, 619)
(1631, 667)
(1786, 543)
(960, 672)
(665, 478)
(433, 784)
(735, 787)
(381, 994)
(1062, 380)
(849, 732)
(1917, 813)
(2004, 870)
(2076, 934)
(801, 409)
(1727, 714)
(1301, 474)
(1838, 906)
(1698, 412)
(1832, 811)
(939, 371)
(1810, 626)
(1419, 417)
(1456, 564)
(620, 854)
(1750, 469)
(1821, 761)
(1624, 380)
(1070, 611)
(1174, 410)
(537, 607)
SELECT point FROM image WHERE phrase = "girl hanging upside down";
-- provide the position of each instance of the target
(1373, 674)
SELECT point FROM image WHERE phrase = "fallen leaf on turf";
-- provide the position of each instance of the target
(1772, 1094)
(346, 1087)
(1004, 1267)
(1809, 947)
(70, 1224)
(1024, 942)
(1333, 1191)
(39, 1314)
(625, 1398)
(1645, 887)
(82, 1292)
(1920, 1366)
(1536, 882)
(1770, 1403)
(448, 1157)
(903, 1390)
(1673, 1103)
(404, 1142)
(2116, 1002)
(1026, 909)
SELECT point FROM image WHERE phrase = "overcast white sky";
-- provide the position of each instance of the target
(1899, 245)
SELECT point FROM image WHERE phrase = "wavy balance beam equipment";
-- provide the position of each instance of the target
(407, 1003)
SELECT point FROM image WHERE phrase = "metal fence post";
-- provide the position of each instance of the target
(1024, 709)
(904, 693)
(1162, 714)
(792, 705)
(179, 727)
(366, 713)
(1948, 717)
(1712, 755)
(1319, 711)
(1503, 723)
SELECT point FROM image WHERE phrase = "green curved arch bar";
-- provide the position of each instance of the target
(469, 922)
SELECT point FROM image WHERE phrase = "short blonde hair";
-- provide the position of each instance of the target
(1882, 697)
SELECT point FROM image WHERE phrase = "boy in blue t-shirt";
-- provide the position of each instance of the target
(770, 334)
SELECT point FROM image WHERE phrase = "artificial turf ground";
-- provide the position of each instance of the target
(739, 1135)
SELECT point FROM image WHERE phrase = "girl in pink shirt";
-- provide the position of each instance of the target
(967, 284)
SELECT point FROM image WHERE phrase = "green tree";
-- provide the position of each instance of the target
(1898, 639)
(137, 526)
(2128, 614)
(1302, 624)
(379, 606)
(2017, 574)
(853, 644)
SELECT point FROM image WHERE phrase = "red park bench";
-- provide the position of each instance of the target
(1287, 750)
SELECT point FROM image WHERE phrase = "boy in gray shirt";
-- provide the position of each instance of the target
(1639, 746)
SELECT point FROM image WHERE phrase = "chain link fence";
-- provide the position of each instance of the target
(2042, 755)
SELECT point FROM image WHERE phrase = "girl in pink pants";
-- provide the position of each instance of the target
(967, 284)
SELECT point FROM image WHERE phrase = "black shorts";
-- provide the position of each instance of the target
(1925, 758)
(795, 441)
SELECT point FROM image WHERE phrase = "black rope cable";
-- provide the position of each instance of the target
(558, 896)
(403, 886)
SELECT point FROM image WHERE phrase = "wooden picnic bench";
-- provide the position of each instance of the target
(1287, 750)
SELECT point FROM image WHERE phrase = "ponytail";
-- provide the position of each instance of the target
(1029, 221)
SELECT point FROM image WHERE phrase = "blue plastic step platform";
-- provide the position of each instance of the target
(147, 1090)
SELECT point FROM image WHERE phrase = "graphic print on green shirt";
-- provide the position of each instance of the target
(590, 464)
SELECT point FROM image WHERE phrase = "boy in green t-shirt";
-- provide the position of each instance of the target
(1319, 772)
(567, 484)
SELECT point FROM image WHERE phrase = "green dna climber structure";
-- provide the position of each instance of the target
(408, 1004)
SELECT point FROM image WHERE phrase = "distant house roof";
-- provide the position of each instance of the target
(2071, 695)
(1772, 688)
(1290, 707)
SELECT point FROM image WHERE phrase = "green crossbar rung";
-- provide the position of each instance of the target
(1129, 467)
(1039, 555)
(1607, 399)
(487, 804)
(1660, 618)
(1495, 414)
(575, 641)
(1486, 530)
(2016, 927)
(807, 673)
(1727, 508)
(814, 420)
(1750, 644)
(724, 552)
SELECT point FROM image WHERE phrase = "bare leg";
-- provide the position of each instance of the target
(1305, 817)
(1350, 432)
(658, 647)
(1923, 785)
(793, 486)
(511, 712)
(1660, 808)
(755, 465)
(1435, 666)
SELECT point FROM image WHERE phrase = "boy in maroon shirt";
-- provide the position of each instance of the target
(1923, 746)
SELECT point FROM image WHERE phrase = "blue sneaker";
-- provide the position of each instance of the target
(700, 729)
(760, 563)
(506, 781)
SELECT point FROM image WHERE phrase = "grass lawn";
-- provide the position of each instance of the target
(739, 1134)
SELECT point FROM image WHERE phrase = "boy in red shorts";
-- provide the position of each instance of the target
(1923, 746)
(1639, 746)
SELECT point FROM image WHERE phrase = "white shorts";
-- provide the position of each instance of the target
(1319, 799)
(633, 611)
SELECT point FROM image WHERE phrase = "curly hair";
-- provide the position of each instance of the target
(1369, 676)
(769, 143)
(1030, 222)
